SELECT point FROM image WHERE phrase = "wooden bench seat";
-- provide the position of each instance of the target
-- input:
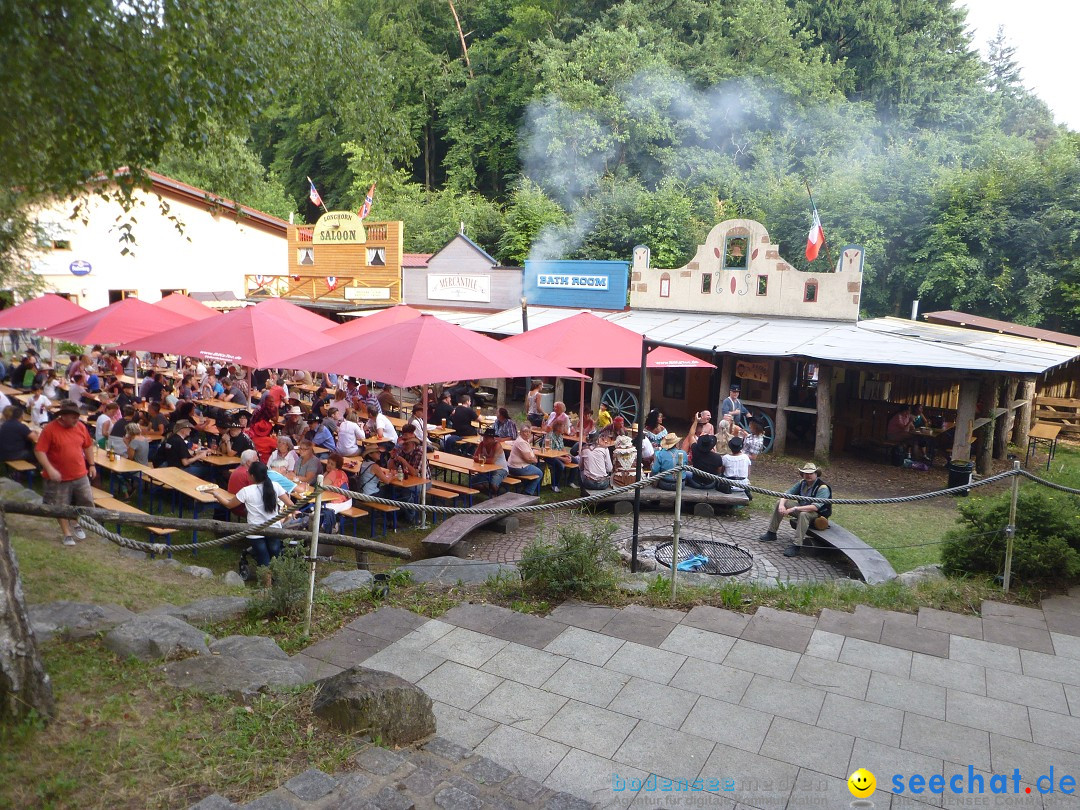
(353, 513)
(25, 467)
(873, 567)
(103, 500)
(705, 501)
(383, 510)
(455, 528)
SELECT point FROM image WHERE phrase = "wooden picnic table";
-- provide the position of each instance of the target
(7, 389)
(456, 463)
(220, 460)
(183, 482)
(119, 464)
(1042, 433)
(222, 404)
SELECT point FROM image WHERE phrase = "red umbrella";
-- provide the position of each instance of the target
(255, 337)
(184, 305)
(370, 323)
(124, 321)
(587, 341)
(40, 313)
(291, 313)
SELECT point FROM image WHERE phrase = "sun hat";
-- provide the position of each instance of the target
(669, 441)
(374, 450)
(809, 467)
(294, 411)
(67, 406)
(181, 424)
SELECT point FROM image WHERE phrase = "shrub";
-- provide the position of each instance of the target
(1047, 546)
(581, 562)
(288, 589)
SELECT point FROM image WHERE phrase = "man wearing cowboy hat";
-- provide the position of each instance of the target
(665, 460)
(811, 486)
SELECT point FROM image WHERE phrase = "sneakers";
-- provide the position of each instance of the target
(554, 488)
(768, 537)
(79, 533)
(792, 551)
(574, 486)
(69, 540)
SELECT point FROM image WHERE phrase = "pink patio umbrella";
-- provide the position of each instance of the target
(253, 337)
(185, 305)
(291, 313)
(370, 323)
(40, 313)
(122, 322)
(587, 341)
(426, 350)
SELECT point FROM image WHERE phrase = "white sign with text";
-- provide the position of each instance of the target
(571, 281)
(456, 287)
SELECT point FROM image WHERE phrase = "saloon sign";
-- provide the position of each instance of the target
(458, 287)
(339, 228)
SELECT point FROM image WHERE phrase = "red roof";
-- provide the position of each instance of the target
(950, 317)
(415, 259)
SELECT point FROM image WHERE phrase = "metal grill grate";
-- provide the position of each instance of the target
(724, 559)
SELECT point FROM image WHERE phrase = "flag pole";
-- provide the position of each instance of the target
(321, 199)
(824, 239)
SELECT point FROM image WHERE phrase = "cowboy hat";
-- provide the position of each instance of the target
(669, 441)
(808, 468)
(182, 424)
(294, 411)
(374, 450)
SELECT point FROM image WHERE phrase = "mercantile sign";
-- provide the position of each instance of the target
(458, 287)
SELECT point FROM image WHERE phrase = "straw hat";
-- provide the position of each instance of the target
(809, 467)
(669, 441)
(294, 411)
(374, 450)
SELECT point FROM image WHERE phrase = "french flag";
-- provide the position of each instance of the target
(815, 239)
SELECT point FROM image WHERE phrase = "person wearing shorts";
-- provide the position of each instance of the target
(65, 452)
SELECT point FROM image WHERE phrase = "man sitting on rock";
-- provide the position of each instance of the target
(811, 486)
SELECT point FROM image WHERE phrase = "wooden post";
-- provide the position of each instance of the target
(1004, 428)
(965, 415)
(594, 398)
(783, 397)
(646, 397)
(500, 394)
(727, 371)
(1023, 419)
(823, 437)
(560, 389)
(24, 685)
(989, 389)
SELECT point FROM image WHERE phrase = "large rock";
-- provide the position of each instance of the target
(452, 570)
(924, 573)
(152, 637)
(234, 579)
(214, 609)
(347, 581)
(237, 678)
(244, 647)
(375, 703)
(75, 620)
(11, 490)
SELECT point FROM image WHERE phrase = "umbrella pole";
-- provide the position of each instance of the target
(637, 463)
(581, 411)
(424, 465)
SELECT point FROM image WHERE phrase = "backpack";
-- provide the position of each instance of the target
(824, 509)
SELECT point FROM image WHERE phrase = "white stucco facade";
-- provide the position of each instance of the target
(220, 243)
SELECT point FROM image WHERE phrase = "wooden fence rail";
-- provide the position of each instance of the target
(1059, 411)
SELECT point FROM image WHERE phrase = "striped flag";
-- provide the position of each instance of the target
(313, 195)
(816, 238)
(365, 209)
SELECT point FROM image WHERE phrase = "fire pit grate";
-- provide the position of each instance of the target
(723, 559)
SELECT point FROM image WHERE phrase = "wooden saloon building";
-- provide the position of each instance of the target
(794, 341)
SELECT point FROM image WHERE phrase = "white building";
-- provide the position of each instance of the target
(84, 258)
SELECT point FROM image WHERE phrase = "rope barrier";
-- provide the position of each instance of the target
(1050, 484)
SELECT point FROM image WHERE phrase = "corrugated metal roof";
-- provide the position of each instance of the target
(881, 341)
(951, 317)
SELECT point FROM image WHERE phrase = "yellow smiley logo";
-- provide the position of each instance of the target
(862, 783)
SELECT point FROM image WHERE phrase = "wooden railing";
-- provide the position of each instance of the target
(1059, 411)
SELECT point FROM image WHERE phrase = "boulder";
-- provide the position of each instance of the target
(199, 571)
(234, 579)
(11, 490)
(924, 573)
(239, 679)
(448, 570)
(347, 581)
(243, 647)
(214, 609)
(75, 620)
(151, 637)
(376, 703)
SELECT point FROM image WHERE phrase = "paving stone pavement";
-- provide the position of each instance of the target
(766, 711)
(743, 529)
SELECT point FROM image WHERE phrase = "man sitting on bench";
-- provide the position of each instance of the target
(811, 486)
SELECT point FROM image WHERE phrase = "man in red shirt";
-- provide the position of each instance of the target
(65, 452)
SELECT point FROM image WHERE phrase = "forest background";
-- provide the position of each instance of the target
(572, 129)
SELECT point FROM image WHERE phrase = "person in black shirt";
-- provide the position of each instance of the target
(157, 421)
(16, 437)
(706, 459)
(178, 453)
(235, 441)
(151, 388)
(259, 378)
(461, 420)
(443, 408)
(126, 396)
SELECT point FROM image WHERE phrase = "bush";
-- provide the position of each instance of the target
(1047, 546)
(289, 585)
(579, 562)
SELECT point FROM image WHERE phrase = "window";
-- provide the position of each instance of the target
(665, 285)
(305, 257)
(165, 293)
(120, 295)
(376, 257)
(675, 383)
(735, 252)
(810, 291)
(706, 283)
(762, 285)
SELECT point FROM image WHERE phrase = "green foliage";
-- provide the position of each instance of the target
(582, 561)
(1047, 544)
(288, 588)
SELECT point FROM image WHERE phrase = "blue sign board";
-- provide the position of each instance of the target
(80, 268)
(584, 284)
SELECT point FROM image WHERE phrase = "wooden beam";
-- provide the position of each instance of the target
(108, 517)
(1023, 418)
(965, 418)
(783, 396)
(989, 390)
(597, 386)
(1001, 436)
(823, 434)
(727, 372)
